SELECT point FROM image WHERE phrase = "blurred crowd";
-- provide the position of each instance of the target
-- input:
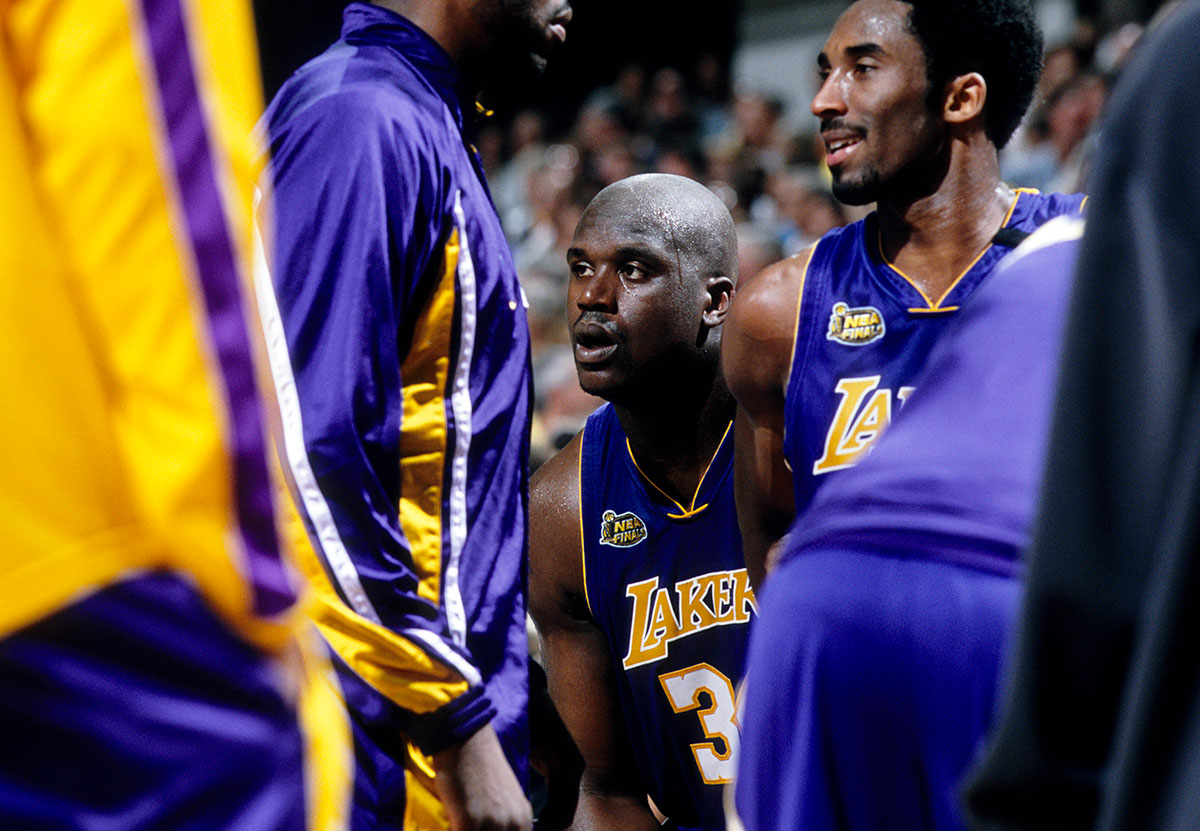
(772, 178)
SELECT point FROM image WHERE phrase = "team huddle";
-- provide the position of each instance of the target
(776, 576)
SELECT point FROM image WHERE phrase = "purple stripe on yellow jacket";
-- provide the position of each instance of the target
(217, 269)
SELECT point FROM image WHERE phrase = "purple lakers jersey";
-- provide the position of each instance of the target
(873, 670)
(666, 584)
(864, 330)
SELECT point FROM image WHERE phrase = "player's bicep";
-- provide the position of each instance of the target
(756, 357)
(762, 490)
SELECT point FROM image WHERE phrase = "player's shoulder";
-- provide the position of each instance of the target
(756, 344)
(358, 93)
(556, 575)
(768, 299)
(554, 487)
(1040, 207)
(761, 328)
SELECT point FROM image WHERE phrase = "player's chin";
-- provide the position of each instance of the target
(516, 68)
(851, 191)
(601, 382)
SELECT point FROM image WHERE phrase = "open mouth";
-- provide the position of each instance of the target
(557, 26)
(839, 149)
(593, 343)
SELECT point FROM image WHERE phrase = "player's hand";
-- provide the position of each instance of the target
(478, 788)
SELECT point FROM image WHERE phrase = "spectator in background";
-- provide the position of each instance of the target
(670, 117)
(757, 248)
(1071, 112)
(806, 208)
(713, 108)
(510, 185)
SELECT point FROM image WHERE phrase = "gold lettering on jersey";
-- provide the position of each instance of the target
(863, 413)
(663, 615)
(621, 531)
(855, 327)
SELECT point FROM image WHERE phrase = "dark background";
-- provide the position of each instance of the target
(603, 36)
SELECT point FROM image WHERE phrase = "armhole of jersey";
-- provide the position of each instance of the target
(582, 546)
(787, 383)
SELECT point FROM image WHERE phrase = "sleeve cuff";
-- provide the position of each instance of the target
(454, 722)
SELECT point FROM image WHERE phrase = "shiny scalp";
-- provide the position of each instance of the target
(696, 221)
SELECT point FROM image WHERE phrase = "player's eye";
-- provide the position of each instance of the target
(580, 269)
(632, 271)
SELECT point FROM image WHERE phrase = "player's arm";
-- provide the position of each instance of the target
(756, 354)
(349, 243)
(577, 658)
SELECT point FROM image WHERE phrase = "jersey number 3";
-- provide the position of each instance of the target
(718, 719)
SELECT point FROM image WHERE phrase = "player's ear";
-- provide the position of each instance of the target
(965, 97)
(718, 293)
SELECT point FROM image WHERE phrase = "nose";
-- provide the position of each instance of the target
(830, 98)
(595, 291)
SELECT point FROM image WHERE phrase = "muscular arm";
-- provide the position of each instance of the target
(756, 352)
(578, 661)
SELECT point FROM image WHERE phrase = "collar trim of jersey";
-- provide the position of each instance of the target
(692, 510)
(936, 306)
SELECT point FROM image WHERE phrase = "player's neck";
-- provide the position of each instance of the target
(935, 237)
(675, 437)
(450, 25)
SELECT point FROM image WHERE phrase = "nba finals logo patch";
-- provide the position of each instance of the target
(622, 531)
(855, 327)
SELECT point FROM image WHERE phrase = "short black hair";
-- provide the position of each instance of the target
(999, 39)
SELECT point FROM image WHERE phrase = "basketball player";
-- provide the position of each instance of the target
(402, 366)
(636, 579)
(873, 670)
(822, 348)
(153, 672)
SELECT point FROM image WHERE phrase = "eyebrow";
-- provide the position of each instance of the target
(624, 253)
(861, 49)
(637, 252)
(858, 50)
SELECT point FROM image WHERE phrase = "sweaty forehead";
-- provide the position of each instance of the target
(625, 219)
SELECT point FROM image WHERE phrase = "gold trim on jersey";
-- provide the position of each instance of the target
(582, 538)
(787, 380)
(932, 306)
(691, 510)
